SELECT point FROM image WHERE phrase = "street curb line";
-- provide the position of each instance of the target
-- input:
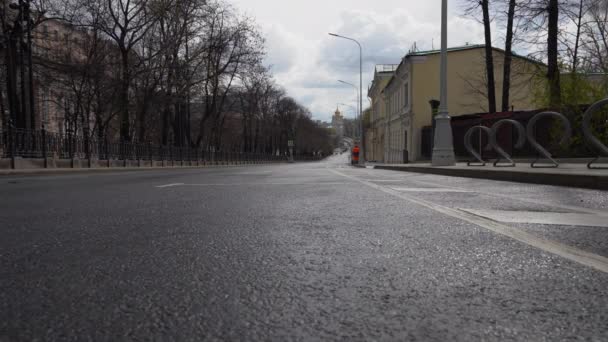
(570, 180)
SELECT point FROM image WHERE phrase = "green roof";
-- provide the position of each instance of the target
(471, 47)
(460, 48)
(456, 48)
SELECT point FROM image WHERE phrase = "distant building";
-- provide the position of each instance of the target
(337, 123)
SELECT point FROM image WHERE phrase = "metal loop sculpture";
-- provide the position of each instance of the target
(589, 134)
(469, 145)
(521, 140)
(532, 139)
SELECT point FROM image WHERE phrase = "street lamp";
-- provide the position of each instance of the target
(362, 160)
(356, 92)
(443, 148)
(357, 112)
(347, 105)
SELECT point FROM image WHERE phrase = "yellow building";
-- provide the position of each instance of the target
(415, 82)
(375, 135)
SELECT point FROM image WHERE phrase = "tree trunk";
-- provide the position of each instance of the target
(141, 120)
(506, 76)
(552, 54)
(165, 128)
(489, 58)
(124, 99)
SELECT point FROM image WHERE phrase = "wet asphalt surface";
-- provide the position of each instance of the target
(300, 252)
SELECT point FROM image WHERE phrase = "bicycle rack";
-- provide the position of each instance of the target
(521, 140)
(589, 134)
(469, 146)
(539, 147)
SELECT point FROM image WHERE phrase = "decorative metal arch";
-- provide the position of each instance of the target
(593, 140)
(521, 140)
(468, 145)
(532, 139)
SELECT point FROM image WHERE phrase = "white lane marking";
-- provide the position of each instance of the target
(169, 185)
(253, 173)
(571, 253)
(406, 189)
(541, 217)
(384, 180)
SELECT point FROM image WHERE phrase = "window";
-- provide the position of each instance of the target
(406, 95)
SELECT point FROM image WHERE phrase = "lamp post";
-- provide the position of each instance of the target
(358, 112)
(347, 105)
(362, 159)
(443, 149)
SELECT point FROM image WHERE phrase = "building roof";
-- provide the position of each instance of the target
(460, 48)
(471, 47)
(386, 68)
(384, 71)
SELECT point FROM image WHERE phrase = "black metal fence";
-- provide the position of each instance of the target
(42, 144)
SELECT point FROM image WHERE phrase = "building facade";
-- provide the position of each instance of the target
(415, 81)
(61, 60)
(376, 134)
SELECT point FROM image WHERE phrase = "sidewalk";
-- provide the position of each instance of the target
(571, 174)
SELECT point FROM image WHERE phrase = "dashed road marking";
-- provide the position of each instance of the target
(408, 189)
(169, 185)
(571, 253)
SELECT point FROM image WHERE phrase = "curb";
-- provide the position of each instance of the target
(577, 180)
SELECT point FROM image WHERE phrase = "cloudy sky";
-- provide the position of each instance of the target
(308, 62)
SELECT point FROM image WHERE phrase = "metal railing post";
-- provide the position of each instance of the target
(45, 160)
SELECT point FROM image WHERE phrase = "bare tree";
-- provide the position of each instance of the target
(506, 76)
(127, 22)
(472, 9)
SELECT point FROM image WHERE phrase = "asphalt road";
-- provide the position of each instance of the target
(302, 252)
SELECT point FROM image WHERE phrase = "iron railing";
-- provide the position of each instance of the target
(43, 144)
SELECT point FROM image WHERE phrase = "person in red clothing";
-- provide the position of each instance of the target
(355, 155)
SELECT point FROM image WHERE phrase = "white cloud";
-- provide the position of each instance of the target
(308, 62)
